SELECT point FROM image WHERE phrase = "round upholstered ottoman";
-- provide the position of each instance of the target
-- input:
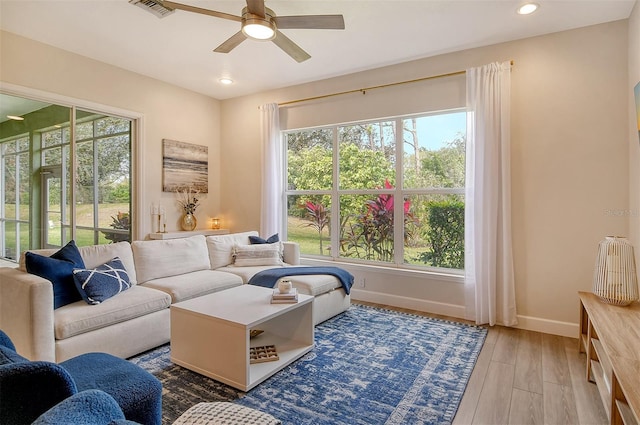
(223, 413)
(138, 393)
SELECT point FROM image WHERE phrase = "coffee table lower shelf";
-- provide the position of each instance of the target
(288, 352)
(211, 335)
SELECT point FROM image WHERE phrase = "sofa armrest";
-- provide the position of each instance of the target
(26, 313)
(291, 253)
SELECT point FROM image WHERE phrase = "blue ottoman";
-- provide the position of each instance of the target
(138, 393)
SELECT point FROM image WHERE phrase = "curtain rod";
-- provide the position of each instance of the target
(365, 89)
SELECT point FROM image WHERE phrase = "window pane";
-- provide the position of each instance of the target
(23, 144)
(113, 185)
(85, 237)
(23, 230)
(309, 160)
(52, 138)
(367, 155)
(10, 186)
(52, 156)
(434, 231)
(308, 223)
(84, 131)
(84, 186)
(23, 186)
(9, 147)
(54, 235)
(434, 151)
(366, 227)
(111, 125)
(10, 241)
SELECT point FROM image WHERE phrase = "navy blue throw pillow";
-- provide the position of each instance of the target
(258, 240)
(58, 269)
(103, 282)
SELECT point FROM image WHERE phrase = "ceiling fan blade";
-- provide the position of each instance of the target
(290, 48)
(231, 43)
(256, 7)
(200, 10)
(329, 22)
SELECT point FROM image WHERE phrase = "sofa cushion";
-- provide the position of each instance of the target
(221, 247)
(315, 284)
(194, 284)
(58, 269)
(163, 258)
(103, 282)
(257, 255)
(77, 318)
(95, 255)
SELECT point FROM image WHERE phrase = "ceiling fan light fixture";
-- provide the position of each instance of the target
(527, 8)
(259, 29)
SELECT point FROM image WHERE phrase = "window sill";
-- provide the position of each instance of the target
(440, 275)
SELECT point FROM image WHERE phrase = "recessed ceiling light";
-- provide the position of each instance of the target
(14, 117)
(527, 8)
(225, 81)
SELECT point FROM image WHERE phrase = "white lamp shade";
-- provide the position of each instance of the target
(615, 280)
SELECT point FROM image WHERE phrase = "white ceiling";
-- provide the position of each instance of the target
(178, 48)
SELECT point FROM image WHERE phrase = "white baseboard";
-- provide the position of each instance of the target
(553, 327)
(427, 306)
(537, 324)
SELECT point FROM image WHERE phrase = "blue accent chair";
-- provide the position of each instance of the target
(89, 407)
(30, 388)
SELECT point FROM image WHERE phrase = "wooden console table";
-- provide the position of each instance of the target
(610, 336)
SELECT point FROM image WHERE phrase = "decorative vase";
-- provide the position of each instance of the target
(615, 279)
(188, 221)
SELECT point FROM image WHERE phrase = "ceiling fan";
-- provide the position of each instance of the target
(257, 22)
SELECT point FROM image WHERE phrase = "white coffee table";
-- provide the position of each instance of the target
(210, 334)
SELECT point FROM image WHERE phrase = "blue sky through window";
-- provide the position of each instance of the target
(435, 131)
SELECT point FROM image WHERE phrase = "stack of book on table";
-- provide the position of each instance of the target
(280, 298)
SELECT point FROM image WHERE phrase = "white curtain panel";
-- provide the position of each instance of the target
(489, 277)
(271, 215)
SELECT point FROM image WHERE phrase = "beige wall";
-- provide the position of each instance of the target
(570, 171)
(169, 112)
(634, 141)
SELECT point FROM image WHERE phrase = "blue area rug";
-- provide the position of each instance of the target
(369, 366)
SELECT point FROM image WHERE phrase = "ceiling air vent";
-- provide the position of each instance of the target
(154, 7)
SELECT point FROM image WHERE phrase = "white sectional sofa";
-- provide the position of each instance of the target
(161, 272)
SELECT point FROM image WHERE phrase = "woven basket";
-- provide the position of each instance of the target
(615, 280)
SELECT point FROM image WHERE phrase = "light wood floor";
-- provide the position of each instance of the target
(524, 377)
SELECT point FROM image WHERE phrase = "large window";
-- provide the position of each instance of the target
(102, 176)
(343, 183)
(65, 173)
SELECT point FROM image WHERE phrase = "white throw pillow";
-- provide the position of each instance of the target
(221, 247)
(258, 255)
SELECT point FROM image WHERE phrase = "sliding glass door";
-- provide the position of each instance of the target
(52, 219)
